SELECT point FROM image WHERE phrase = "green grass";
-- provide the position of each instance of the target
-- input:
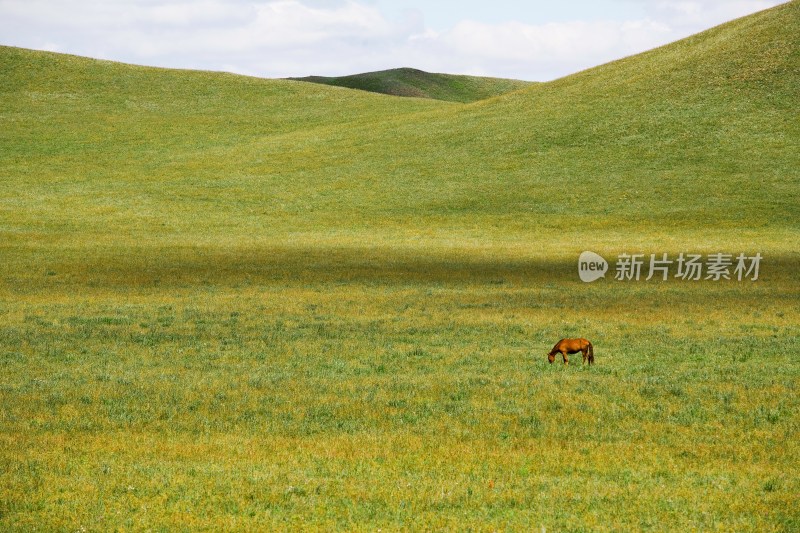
(233, 303)
(420, 84)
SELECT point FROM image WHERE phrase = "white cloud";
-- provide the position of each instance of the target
(540, 51)
(206, 13)
(276, 38)
(703, 13)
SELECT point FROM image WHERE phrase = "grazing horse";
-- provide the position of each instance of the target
(565, 346)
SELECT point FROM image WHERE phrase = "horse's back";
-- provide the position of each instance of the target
(573, 344)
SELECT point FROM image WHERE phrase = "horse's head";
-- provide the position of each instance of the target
(551, 357)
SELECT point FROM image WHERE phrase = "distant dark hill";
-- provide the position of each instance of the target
(418, 83)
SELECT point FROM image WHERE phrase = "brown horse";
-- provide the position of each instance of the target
(565, 346)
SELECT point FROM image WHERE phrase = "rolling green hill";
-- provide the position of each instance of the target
(697, 136)
(230, 303)
(418, 83)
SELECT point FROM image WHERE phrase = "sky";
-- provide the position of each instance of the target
(529, 40)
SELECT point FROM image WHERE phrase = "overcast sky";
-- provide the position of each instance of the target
(532, 40)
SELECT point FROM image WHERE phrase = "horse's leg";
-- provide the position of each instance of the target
(585, 353)
(564, 355)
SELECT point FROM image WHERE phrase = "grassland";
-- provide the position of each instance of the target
(233, 303)
(416, 83)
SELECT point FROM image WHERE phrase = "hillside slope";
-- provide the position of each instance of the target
(700, 134)
(418, 83)
(53, 101)
(695, 142)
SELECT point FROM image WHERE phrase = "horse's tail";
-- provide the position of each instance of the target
(591, 352)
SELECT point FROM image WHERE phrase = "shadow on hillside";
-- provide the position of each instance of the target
(165, 267)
